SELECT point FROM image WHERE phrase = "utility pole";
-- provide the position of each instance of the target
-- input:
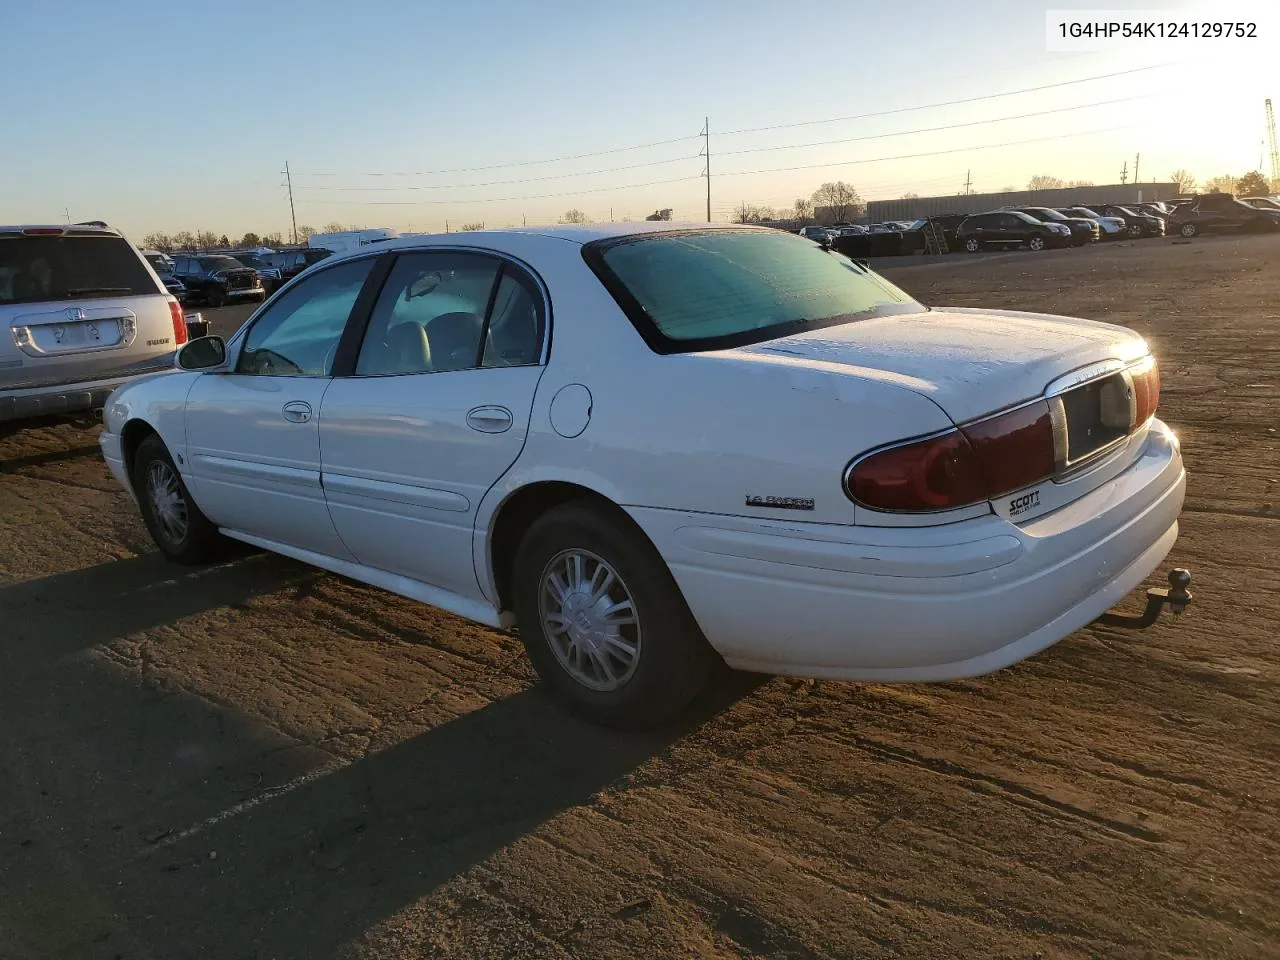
(67, 211)
(1136, 158)
(706, 152)
(968, 182)
(1124, 173)
(524, 220)
(1271, 141)
(293, 217)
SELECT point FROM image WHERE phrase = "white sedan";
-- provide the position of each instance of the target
(649, 445)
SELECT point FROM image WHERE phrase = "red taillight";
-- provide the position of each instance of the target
(43, 232)
(959, 468)
(936, 474)
(179, 323)
(1015, 449)
(1146, 391)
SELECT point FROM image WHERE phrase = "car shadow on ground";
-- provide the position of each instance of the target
(157, 823)
(310, 870)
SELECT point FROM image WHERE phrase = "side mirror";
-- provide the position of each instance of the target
(203, 354)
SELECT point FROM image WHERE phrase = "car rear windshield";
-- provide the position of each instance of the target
(44, 268)
(714, 289)
(218, 264)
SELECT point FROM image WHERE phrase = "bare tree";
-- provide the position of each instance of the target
(910, 196)
(184, 240)
(1080, 183)
(1042, 182)
(333, 226)
(249, 240)
(305, 233)
(273, 240)
(206, 240)
(574, 216)
(1185, 181)
(1223, 183)
(750, 213)
(468, 227)
(158, 241)
(840, 199)
(802, 209)
(1253, 184)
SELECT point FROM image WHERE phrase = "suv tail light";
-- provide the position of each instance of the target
(179, 323)
(960, 467)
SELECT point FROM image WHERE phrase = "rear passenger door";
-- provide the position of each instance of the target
(434, 411)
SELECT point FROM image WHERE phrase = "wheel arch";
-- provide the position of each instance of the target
(131, 436)
(517, 513)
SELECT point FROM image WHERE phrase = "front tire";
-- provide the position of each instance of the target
(175, 523)
(1036, 244)
(214, 296)
(1135, 231)
(603, 620)
(1188, 230)
(972, 245)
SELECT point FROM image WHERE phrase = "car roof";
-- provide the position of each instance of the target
(78, 229)
(573, 233)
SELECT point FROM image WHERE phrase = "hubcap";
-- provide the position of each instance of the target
(1036, 243)
(589, 619)
(167, 502)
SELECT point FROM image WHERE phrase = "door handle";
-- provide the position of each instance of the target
(489, 419)
(296, 411)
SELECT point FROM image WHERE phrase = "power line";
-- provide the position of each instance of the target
(502, 183)
(947, 103)
(521, 163)
(949, 126)
(540, 196)
(930, 153)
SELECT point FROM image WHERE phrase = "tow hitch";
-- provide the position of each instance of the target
(1176, 595)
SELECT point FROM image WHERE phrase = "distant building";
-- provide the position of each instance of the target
(917, 207)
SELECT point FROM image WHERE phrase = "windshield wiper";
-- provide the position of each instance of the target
(104, 291)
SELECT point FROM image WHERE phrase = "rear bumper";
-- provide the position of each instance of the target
(55, 399)
(921, 604)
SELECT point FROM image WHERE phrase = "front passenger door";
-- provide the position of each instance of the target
(253, 438)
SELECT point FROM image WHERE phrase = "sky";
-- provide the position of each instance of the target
(427, 114)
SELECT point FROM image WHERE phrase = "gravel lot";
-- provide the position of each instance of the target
(258, 760)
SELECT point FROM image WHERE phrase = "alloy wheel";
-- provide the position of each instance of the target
(167, 502)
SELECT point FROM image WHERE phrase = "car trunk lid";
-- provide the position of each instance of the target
(970, 362)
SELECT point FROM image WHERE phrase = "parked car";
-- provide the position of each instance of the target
(1137, 225)
(82, 312)
(159, 261)
(269, 275)
(1155, 209)
(1010, 228)
(1113, 228)
(1263, 203)
(344, 241)
(1083, 229)
(407, 416)
(818, 234)
(1221, 213)
(290, 263)
(217, 279)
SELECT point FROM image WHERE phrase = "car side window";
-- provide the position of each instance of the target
(298, 335)
(514, 336)
(429, 317)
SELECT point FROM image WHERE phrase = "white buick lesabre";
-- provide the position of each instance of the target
(646, 445)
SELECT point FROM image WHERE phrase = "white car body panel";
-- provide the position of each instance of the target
(387, 484)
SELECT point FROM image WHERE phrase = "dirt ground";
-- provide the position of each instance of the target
(258, 760)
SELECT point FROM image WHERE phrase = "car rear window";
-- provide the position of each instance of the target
(714, 289)
(41, 269)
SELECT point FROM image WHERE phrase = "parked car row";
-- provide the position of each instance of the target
(223, 276)
(1040, 228)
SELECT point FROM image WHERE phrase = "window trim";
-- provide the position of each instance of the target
(241, 338)
(358, 322)
(660, 343)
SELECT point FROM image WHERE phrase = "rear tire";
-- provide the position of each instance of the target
(1135, 231)
(214, 297)
(1188, 230)
(603, 620)
(180, 530)
(972, 245)
(1035, 243)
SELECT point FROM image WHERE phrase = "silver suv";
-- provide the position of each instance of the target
(81, 311)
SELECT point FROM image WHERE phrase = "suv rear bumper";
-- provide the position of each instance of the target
(31, 402)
